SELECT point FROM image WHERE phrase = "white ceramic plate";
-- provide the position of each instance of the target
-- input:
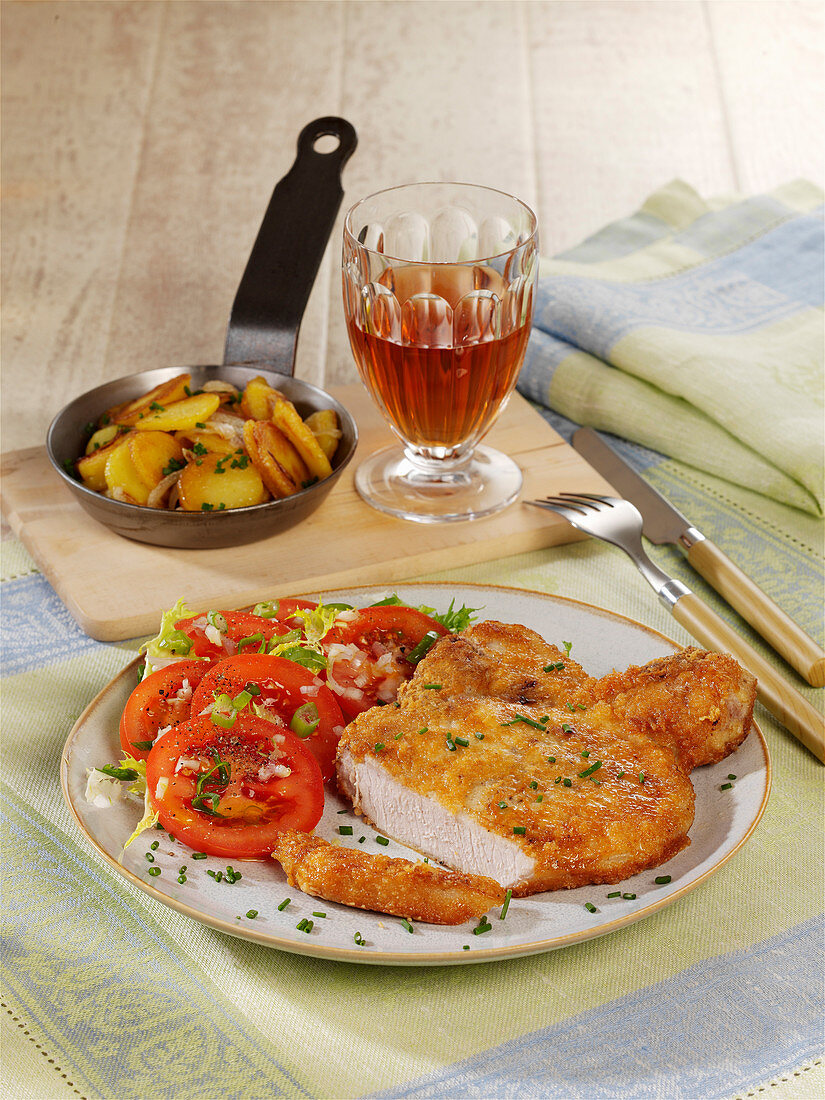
(601, 641)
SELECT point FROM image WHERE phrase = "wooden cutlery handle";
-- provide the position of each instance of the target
(783, 701)
(770, 621)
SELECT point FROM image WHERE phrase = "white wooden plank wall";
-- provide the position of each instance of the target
(141, 142)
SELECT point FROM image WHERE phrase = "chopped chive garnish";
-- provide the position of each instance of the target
(378, 747)
(342, 811)
(615, 894)
(252, 913)
(423, 729)
(526, 720)
(301, 925)
(199, 855)
(319, 914)
(359, 939)
(150, 857)
(726, 786)
(589, 771)
(539, 798)
(506, 905)
(407, 924)
(629, 897)
(483, 927)
(450, 744)
(308, 926)
(381, 840)
(641, 777)
(284, 904)
(461, 741)
(662, 880)
(465, 947)
(619, 776)
(533, 785)
(154, 871)
(551, 760)
(731, 777)
(432, 687)
(154, 845)
(502, 805)
(520, 829)
(590, 907)
(181, 879)
(585, 754)
(567, 782)
(479, 736)
(345, 830)
(566, 728)
(398, 736)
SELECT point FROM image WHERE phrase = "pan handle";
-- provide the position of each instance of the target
(273, 293)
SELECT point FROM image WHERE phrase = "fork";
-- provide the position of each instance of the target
(619, 523)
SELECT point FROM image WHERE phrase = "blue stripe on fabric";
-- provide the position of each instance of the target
(37, 628)
(668, 1041)
(789, 260)
(773, 277)
(90, 899)
(719, 231)
(622, 238)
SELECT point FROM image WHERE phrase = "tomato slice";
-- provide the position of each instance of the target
(285, 688)
(375, 651)
(210, 641)
(162, 699)
(230, 792)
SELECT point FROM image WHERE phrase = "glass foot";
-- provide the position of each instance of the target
(438, 492)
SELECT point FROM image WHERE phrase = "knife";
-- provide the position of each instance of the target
(662, 523)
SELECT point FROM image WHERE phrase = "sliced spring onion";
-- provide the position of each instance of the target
(420, 651)
(304, 721)
(214, 618)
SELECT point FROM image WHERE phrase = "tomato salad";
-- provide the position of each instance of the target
(235, 724)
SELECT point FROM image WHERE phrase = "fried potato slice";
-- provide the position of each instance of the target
(164, 394)
(324, 426)
(258, 399)
(285, 416)
(102, 437)
(274, 457)
(154, 455)
(178, 416)
(122, 476)
(92, 467)
(213, 483)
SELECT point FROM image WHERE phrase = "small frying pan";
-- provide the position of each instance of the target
(261, 340)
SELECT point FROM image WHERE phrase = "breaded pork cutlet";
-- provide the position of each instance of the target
(503, 758)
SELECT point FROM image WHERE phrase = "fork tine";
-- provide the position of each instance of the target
(565, 508)
(599, 498)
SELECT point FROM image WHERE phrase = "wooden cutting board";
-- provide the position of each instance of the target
(116, 588)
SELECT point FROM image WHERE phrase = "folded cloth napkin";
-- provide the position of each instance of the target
(695, 328)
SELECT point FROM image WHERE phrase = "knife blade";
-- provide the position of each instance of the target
(662, 523)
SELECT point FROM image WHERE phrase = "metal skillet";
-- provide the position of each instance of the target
(261, 340)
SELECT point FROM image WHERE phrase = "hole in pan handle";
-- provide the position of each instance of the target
(273, 293)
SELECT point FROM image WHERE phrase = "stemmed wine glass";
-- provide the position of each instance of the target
(438, 283)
